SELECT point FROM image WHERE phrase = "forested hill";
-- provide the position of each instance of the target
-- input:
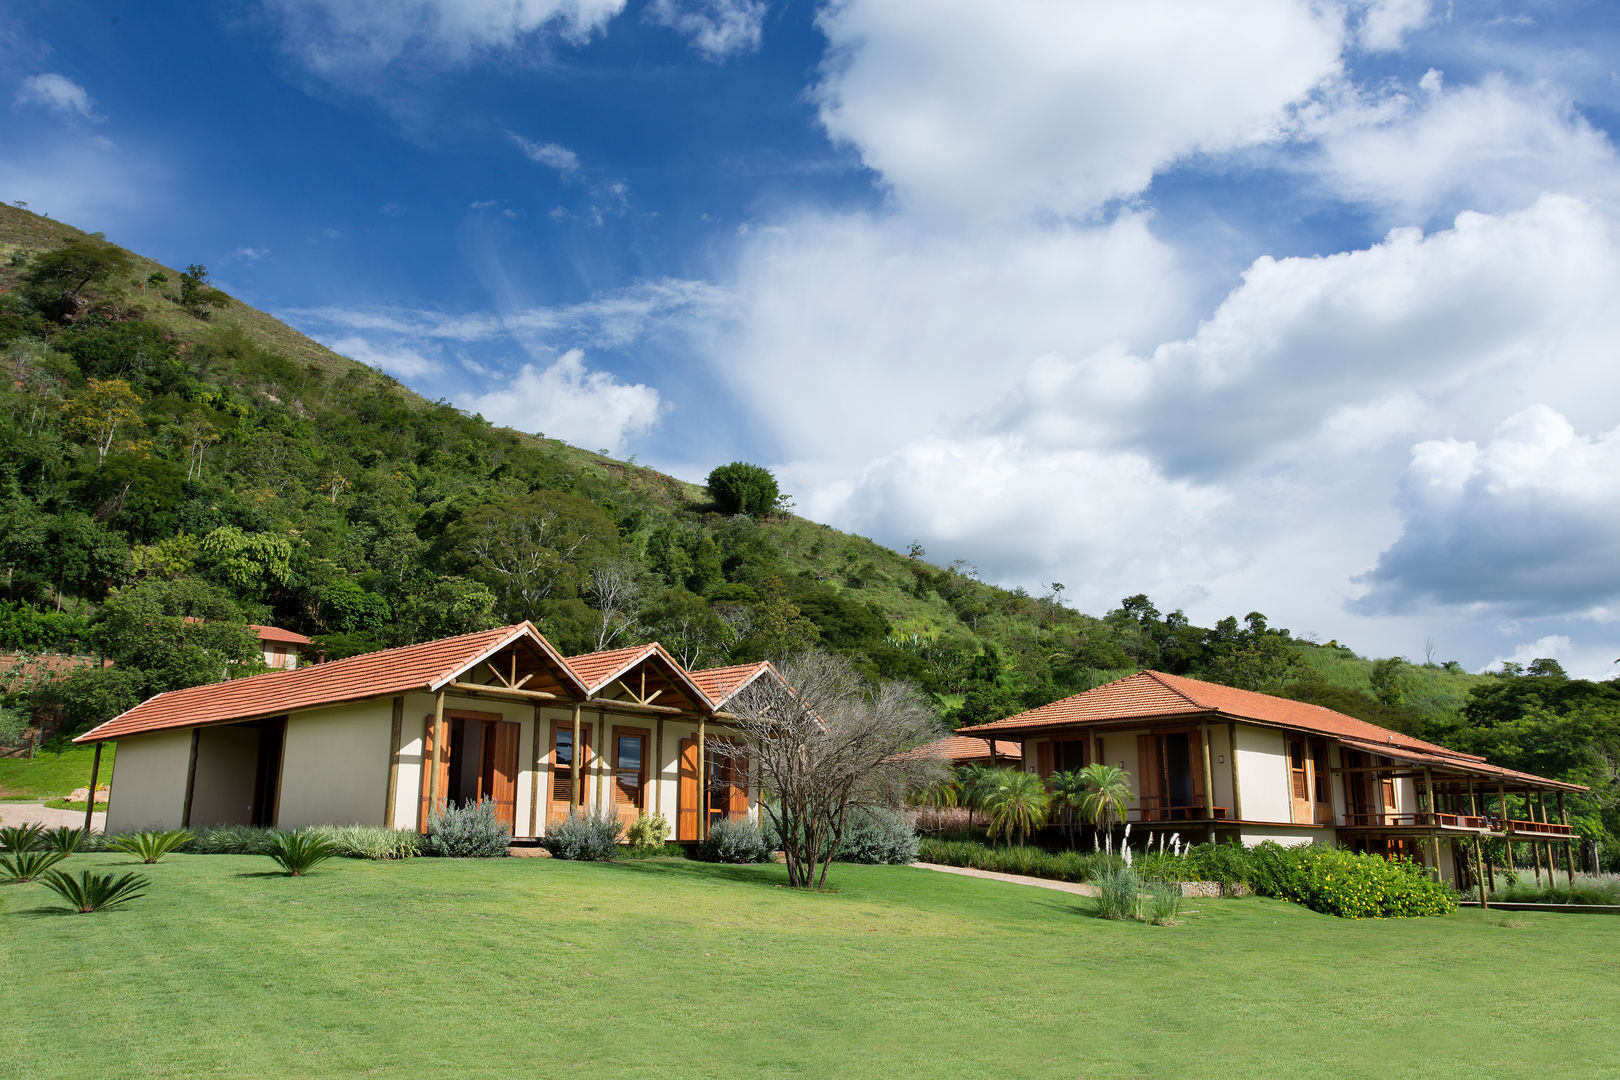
(167, 451)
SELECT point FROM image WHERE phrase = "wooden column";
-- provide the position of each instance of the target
(396, 735)
(1569, 845)
(1479, 862)
(1535, 845)
(577, 796)
(438, 752)
(1209, 781)
(1507, 824)
(1237, 788)
(658, 764)
(90, 805)
(191, 779)
(1434, 820)
(1541, 803)
(702, 780)
(604, 756)
(537, 787)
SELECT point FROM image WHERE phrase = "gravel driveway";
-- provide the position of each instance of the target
(21, 813)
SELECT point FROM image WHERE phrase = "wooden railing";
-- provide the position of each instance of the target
(1487, 823)
(1159, 808)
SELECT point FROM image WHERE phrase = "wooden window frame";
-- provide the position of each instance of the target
(645, 734)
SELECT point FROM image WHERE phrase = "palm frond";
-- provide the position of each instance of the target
(91, 891)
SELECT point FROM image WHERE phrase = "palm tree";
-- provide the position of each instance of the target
(944, 795)
(973, 781)
(1017, 801)
(1107, 790)
(1068, 792)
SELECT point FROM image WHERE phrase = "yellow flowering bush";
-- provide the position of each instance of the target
(1351, 885)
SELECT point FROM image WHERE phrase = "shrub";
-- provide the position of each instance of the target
(149, 847)
(1349, 885)
(91, 891)
(734, 840)
(648, 831)
(21, 837)
(1587, 889)
(64, 839)
(19, 866)
(586, 837)
(300, 852)
(878, 835)
(741, 488)
(1034, 862)
(1228, 865)
(369, 841)
(1118, 891)
(232, 840)
(470, 831)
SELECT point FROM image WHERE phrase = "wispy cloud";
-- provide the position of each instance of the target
(551, 155)
(59, 94)
(717, 29)
(250, 254)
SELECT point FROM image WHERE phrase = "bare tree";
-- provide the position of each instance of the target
(615, 592)
(823, 740)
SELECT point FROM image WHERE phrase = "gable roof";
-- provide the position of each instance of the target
(276, 633)
(598, 670)
(966, 748)
(426, 666)
(721, 684)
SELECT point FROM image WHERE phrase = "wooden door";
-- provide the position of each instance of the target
(686, 794)
(1195, 769)
(737, 773)
(1322, 783)
(1043, 758)
(1299, 781)
(629, 772)
(498, 769)
(1148, 768)
(429, 738)
(1386, 785)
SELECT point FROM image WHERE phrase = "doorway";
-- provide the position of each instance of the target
(479, 760)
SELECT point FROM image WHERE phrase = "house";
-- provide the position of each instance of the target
(381, 738)
(282, 649)
(1215, 763)
(966, 750)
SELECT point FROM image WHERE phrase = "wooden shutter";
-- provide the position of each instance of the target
(1388, 785)
(1043, 758)
(1147, 776)
(429, 736)
(500, 769)
(686, 795)
(1195, 766)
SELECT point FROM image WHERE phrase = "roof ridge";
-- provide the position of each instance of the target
(1160, 677)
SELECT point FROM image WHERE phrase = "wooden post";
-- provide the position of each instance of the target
(1507, 824)
(604, 756)
(95, 771)
(1209, 781)
(438, 752)
(191, 779)
(1237, 788)
(1434, 820)
(1479, 862)
(536, 785)
(396, 735)
(658, 764)
(1569, 845)
(577, 796)
(702, 780)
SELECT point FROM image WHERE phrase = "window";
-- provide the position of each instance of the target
(1319, 762)
(1296, 769)
(629, 775)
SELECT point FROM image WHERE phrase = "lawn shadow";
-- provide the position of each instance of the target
(262, 873)
(756, 874)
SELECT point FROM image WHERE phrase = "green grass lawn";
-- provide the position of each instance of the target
(52, 776)
(530, 967)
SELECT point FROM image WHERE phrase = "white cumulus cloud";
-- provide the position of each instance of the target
(59, 94)
(717, 29)
(567, 401)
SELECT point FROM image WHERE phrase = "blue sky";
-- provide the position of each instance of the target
(1305, 306)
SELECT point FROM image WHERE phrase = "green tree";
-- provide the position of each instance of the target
(248, 562)
(196, 295)
(449, 606)
(533, 550)
(86, 697)
(103, 409)
(741, 488)
(1385, 678)
(58, 279)
(1068, 796)
(174, 634)
(1016, 801)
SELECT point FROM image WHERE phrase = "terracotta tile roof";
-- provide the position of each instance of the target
(1155, 694)
(276, 633)
(719, 684)
(599, 669)
(426, 666)
(967, 748)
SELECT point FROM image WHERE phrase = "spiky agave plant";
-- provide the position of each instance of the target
(149, 847)
(299, 852)
(91, 891)
(64, 838)
(19, 866)
(21, 837)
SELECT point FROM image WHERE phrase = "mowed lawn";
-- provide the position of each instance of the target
(530, 967)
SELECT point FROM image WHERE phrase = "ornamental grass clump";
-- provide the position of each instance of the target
(1162, 903)
(232, 840)
(91, 891)
(1118, 894)
(585, 837)
(300, 852)
(149, 847)
(469, 831)
(17, 867)
(372, 842)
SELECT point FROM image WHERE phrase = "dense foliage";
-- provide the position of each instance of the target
(175, 465)
(466, 831)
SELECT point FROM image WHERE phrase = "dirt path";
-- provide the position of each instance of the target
(1076, 888)
(22, 813)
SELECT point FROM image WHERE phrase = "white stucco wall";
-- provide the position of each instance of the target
(334, 770)
(1262, 757)
(149, 781)
(226, 761)
(419, 709)
(1282, 834)
(1220, 766)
